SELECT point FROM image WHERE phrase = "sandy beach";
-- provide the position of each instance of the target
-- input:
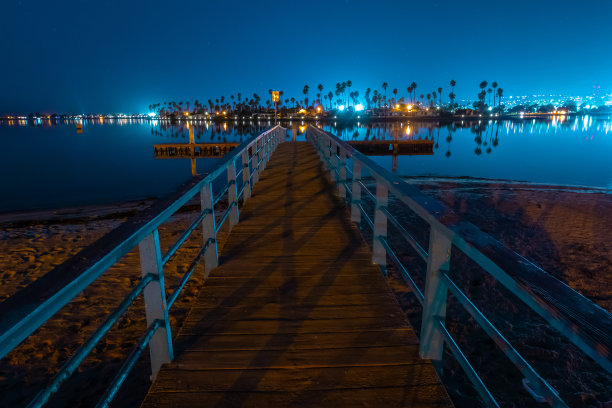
(567, 232)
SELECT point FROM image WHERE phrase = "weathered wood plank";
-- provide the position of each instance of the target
(297, 379)
(420, 396)
(288, 341)
(289, 325)
(245, 359)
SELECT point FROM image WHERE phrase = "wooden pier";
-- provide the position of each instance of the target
(192, 150)
(296, 314)
(369, 147)
(397, 147)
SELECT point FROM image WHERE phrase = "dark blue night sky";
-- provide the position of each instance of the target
(120, 56)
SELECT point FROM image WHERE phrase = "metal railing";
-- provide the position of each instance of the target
(585, 324)
(31, 307)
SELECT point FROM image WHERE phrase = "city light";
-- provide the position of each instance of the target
(341, 107)
(358, 107)
(151, 114)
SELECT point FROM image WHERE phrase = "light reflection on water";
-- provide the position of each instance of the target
(47, 164)
(564, 151)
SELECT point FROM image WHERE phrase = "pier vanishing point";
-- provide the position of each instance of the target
(295, 309)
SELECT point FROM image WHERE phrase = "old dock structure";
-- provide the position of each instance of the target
(294, 310)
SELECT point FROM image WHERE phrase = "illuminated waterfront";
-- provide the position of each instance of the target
(51, 165)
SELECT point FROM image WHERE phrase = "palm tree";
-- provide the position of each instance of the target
(293, 101)
(413, 86)
(429, 98)
(452, 84)
(494, 85)
(305, 92)
(320, 88)
(489, 91)
(500, 92)
(367, 96)
(440, 94)
(422, 96)
(384, 86)
(349, 83)
(434, 95)
(330, 96)
(409, 89)
(394, 94)
(451, 96)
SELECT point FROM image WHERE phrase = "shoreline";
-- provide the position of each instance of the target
(76, 214)
(343, 117)
(92, 212)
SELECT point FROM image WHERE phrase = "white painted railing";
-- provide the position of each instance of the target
(31, 307)
(585, 324)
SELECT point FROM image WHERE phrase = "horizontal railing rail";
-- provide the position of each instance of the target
(585, 324)
(29, 308)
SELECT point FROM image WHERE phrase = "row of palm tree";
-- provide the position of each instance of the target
(341, 96)
(493, 90)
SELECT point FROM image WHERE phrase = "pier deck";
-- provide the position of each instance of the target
(296, 314)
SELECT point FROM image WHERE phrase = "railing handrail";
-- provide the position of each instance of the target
(29, 308)
(584, 323)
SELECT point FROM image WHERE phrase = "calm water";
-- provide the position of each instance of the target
(575, 152)
(47, 165)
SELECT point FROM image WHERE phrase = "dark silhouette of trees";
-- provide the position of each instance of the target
(384, 86)
(494, 85)
(305, 92)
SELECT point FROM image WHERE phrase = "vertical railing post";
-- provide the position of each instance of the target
(334, 164)
(331, 161)
(264, 147)
(156, 308)
(211, 258)
(255, 163)
(232, 194)
(379, 254)
(436, 292)
(267, 149)
(356, 192)
(246, 194)
(342, 173)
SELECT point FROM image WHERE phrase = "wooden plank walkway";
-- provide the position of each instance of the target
(296, 314)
